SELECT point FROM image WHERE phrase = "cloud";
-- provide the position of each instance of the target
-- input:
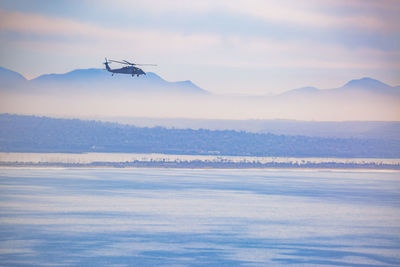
(364, 15)
(52, 27)
(217, 44)
(254, 51)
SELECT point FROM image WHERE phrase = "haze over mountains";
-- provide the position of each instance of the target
(94, 92)
(89, 80)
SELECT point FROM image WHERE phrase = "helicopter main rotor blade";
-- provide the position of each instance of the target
(110, 60)
(133, 64)
(146, 64)
(127, 62)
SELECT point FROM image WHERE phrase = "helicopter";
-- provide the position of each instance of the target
(129, 69)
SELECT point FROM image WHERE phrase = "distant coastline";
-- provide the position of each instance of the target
(132, 160)
(49, 135)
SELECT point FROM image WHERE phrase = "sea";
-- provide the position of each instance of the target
(198, 217)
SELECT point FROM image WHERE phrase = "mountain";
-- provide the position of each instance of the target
(309, 90)
(369, 85)
(359, 86)
(366, 82)
(95, 80)
(10, 79)
(360, 99)
(75, 75)
(95, 92)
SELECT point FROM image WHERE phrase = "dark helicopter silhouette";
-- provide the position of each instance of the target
(129, 69)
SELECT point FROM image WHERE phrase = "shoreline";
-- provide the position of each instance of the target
(170, 161)
(303, 169)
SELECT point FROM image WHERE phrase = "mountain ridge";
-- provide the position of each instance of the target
(97, 92)
(10, 78)
(365, 82)
(355, 86)
(100, 76)
(100, 79)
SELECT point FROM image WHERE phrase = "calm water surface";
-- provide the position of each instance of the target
(165, 217)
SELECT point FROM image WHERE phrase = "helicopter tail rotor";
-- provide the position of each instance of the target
(106, 63)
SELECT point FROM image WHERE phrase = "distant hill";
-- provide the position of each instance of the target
(309, 90)
(11, 79)
(371, 86)
(43, 134)
(367, 83)
(85, 92)
(361, 99)
(359, 86)
(95, 80)
(346, 129)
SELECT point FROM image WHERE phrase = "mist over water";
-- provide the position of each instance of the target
(167, 217)
(228, 83)
(116, 103)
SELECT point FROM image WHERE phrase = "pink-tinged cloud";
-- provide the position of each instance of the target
(313, 14)
(25, 23)
(218, 60)
(262, 52)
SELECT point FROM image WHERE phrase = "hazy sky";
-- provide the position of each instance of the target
(227, 46)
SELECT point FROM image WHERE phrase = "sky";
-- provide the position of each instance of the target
(223, 46)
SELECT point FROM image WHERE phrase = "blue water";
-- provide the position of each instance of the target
(166, 217)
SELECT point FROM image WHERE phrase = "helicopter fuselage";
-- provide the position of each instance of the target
(126, 70)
